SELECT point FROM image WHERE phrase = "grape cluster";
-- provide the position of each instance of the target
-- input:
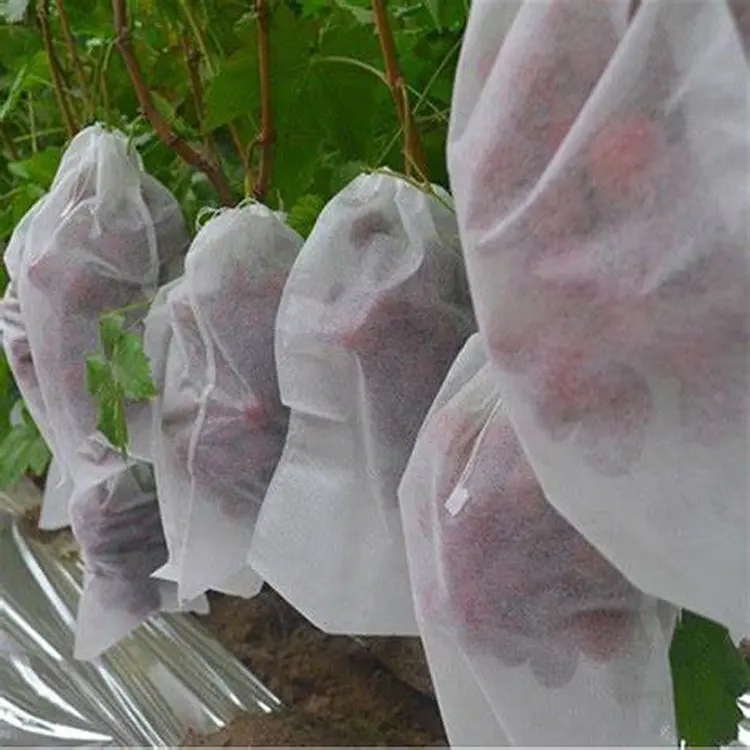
(512, 577)
(392, 296)
(118, 526)
(606, 285)
(224, 426)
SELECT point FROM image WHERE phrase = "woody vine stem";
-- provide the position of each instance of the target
(42, 14)
(204, 54)
(75, 61)
(192, 61)
(265, 137)
(195, 157)
(413, 154)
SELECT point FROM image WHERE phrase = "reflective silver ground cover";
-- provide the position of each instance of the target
(169, 676)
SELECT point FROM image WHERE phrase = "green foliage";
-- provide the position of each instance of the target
(22, 450)
(8, 396)
(14, 93)
(39, 168)
(117, 374)
(304, 214)
(709, 674)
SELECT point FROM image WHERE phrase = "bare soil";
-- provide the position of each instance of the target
(337, 691)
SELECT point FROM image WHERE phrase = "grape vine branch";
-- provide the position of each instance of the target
(162, 128)
(192, 62)
(265, 139)
(200, 40)
(42, 14)
(75, 61)
(413, 153)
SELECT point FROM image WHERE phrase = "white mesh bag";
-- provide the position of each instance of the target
(58, 492)
(221, 425)
(96, 245)
(741, 10)
(599, 169)
(13, 332)
(374, 312)
(514, 605)
(118, 527)
(174, 381)
(167, 349)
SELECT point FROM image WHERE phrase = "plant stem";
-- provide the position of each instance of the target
(42, 14)
(161, 127)
(413, 153)
(48, 131)
(200, 40)
(32, 123)
(422, 97)
(9, 144)
(265, 138)
(75, 61)
(192, 60)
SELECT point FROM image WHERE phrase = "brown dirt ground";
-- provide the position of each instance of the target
(337, 691)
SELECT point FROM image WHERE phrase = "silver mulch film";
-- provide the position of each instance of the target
(169, 676)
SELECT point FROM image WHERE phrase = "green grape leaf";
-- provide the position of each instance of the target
(131, 368)
(227, 96)
(362, 15)
(304, 214)
(98, 373)
(312, 8)
(7, 395)
(111, 331)
(434, 7)
(709, 674)
(40, 168)
(24, 197)
(22, 450)
(17, 46)
(110, 415)
(119, 372)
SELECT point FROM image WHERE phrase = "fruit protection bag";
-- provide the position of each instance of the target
(94, 246)
(599, 169)
(532, 636)
(13, 332)
(58, 491)
(373, 313)
(167, 355)
(741, 10)
(220, 422)
(118, 527)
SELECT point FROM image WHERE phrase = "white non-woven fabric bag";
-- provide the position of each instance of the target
(97, 244)
(741, 10)
(599, 168)
(220, 423)
(374, 311)
(58, 492)
(562, 648)
(118, 527)
(172, 478)
(13, 334)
